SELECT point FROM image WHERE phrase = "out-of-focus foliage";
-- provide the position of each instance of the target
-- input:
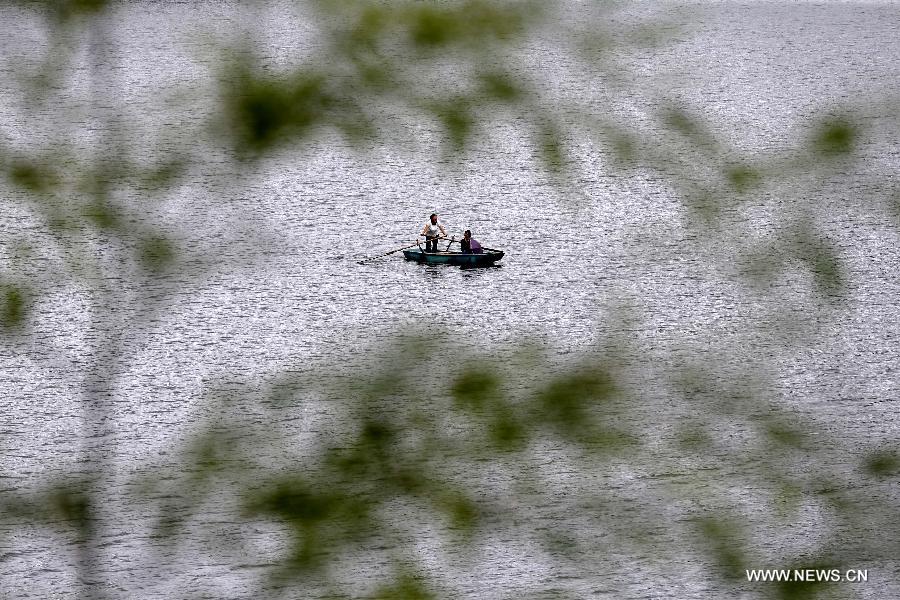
(384, 65)
(492, 444)
(567, 445)
(12, 306)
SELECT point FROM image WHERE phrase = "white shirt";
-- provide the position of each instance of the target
(432, 229)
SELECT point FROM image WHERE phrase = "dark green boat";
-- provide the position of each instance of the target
(485, 259)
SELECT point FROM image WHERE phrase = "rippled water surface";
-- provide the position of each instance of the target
(271, 283)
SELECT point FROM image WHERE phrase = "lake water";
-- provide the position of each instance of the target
(270, 286)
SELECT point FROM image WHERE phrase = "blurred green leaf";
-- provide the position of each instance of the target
(156, 253)
(265, 111)
(828, 273)
(694, 438)
(406, 587)
(72, 505)
(463, 513)
(820, 256)
(835, 137)
(377, 436)
(499, 86)
(322, 517)
(473, 388)
(625, 147)
(550, 144)
(164, 174)
(458, 121)
(724, 543)
(473, 22)
(32, 176)
(64, 12)
(295, 501)
(789, 497)
(102, 214)
(572, 401)
(12, 306)
(433, 26)
(82, 6)
(742, 178)
(364, 35)
(785, 434)
(885, 463)
(506, 431)
(495, 20)
(680, 121)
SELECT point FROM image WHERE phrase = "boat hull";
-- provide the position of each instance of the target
(486, 259)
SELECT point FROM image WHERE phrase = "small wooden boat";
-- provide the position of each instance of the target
(485, 259)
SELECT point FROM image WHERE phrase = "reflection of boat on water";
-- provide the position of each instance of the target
(485, 259)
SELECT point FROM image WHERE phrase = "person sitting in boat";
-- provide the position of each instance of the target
(432, 231)
(470, 245)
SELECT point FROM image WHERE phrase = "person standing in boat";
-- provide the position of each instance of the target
(432, 231)
(470, 245)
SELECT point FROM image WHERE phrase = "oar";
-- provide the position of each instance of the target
(450, 243)
(365, 260)
(441, 237)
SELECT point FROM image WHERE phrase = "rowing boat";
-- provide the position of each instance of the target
(485, 259)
